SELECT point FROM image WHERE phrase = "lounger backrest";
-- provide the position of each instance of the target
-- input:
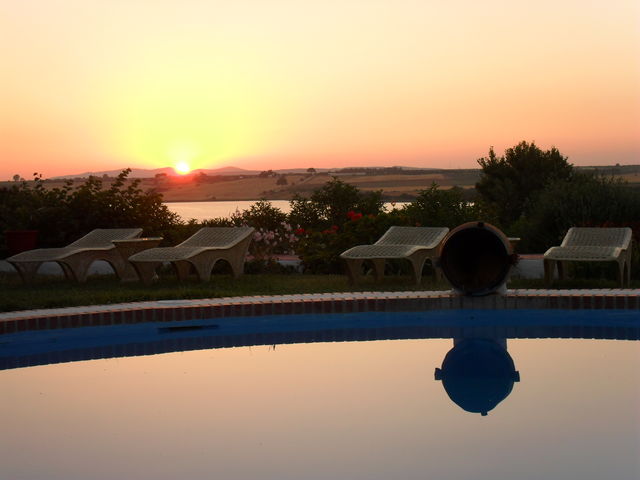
(426, 236)
(220, 237)
(102, 237)
(597, 237)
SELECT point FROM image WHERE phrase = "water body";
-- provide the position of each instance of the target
(206, 210)
(395, 406)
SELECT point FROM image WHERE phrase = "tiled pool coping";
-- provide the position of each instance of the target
(321, 303)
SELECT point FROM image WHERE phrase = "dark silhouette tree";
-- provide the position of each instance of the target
(509, 184)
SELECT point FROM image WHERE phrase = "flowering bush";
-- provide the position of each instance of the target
(268, 243)
(360, 224)
(354, 216)
(330, 205)
(273, 235)
(320, 249)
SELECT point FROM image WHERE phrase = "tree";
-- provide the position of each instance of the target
(436, 207)
(510, 184)
(330, 204)
(160, 178)
(311, 170)
(282, 180)
(201, 177)
(266, 174)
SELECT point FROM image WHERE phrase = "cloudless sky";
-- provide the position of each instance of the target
(97, 85)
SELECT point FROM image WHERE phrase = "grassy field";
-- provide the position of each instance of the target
(185, 189)
(51, 292)
(396, 186)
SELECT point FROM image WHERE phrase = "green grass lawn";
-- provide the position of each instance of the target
(50, 292)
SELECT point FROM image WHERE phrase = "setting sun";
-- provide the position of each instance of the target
(182, 168)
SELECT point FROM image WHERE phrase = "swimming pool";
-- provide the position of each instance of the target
(315, 396)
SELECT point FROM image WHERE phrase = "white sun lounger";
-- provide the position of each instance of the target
(415, 244)
(76, 258)
(202, 250)
(583, 244)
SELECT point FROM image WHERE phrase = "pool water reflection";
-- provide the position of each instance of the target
(356, 410)
(478, 373)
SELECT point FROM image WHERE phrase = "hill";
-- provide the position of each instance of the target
(231, 183)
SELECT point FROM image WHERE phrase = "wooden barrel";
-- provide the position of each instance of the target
(476, 258)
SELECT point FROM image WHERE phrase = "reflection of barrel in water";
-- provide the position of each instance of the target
(476, 258)
(477, 374)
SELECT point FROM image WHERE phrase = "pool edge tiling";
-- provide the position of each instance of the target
(320, 303)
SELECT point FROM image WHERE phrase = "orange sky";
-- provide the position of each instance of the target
(95, 85)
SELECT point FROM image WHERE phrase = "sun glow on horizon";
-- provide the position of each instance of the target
(182, 168)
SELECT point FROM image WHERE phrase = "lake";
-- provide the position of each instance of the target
(206, 210)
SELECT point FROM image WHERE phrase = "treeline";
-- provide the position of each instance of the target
(527, 192)
(63, 214)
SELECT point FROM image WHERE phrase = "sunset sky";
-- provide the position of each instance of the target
(101, 85)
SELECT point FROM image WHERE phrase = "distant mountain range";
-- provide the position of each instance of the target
(150, 173)
(230, 170)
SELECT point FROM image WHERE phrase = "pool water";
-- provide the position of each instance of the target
(349, 410)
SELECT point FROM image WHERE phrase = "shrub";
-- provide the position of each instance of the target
(329, 205)
(320, 249)
(64, 214)
(321, 246)
(274, 235)
(92, 206)
(585, 200)
(435, 207)
(261, 215)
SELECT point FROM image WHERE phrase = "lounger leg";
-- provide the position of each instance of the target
(417, 266)
(562, 270)
(549, 270)
(79, 267)
(621, 273)
(236, 257)
(146, 271)
(353, 270)
(378, 268)
(182, 269)
(124, 270)
(237, 266)
(68, 274)
(27, 270)
(437, 271)
(418, 260)
(203, 270)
